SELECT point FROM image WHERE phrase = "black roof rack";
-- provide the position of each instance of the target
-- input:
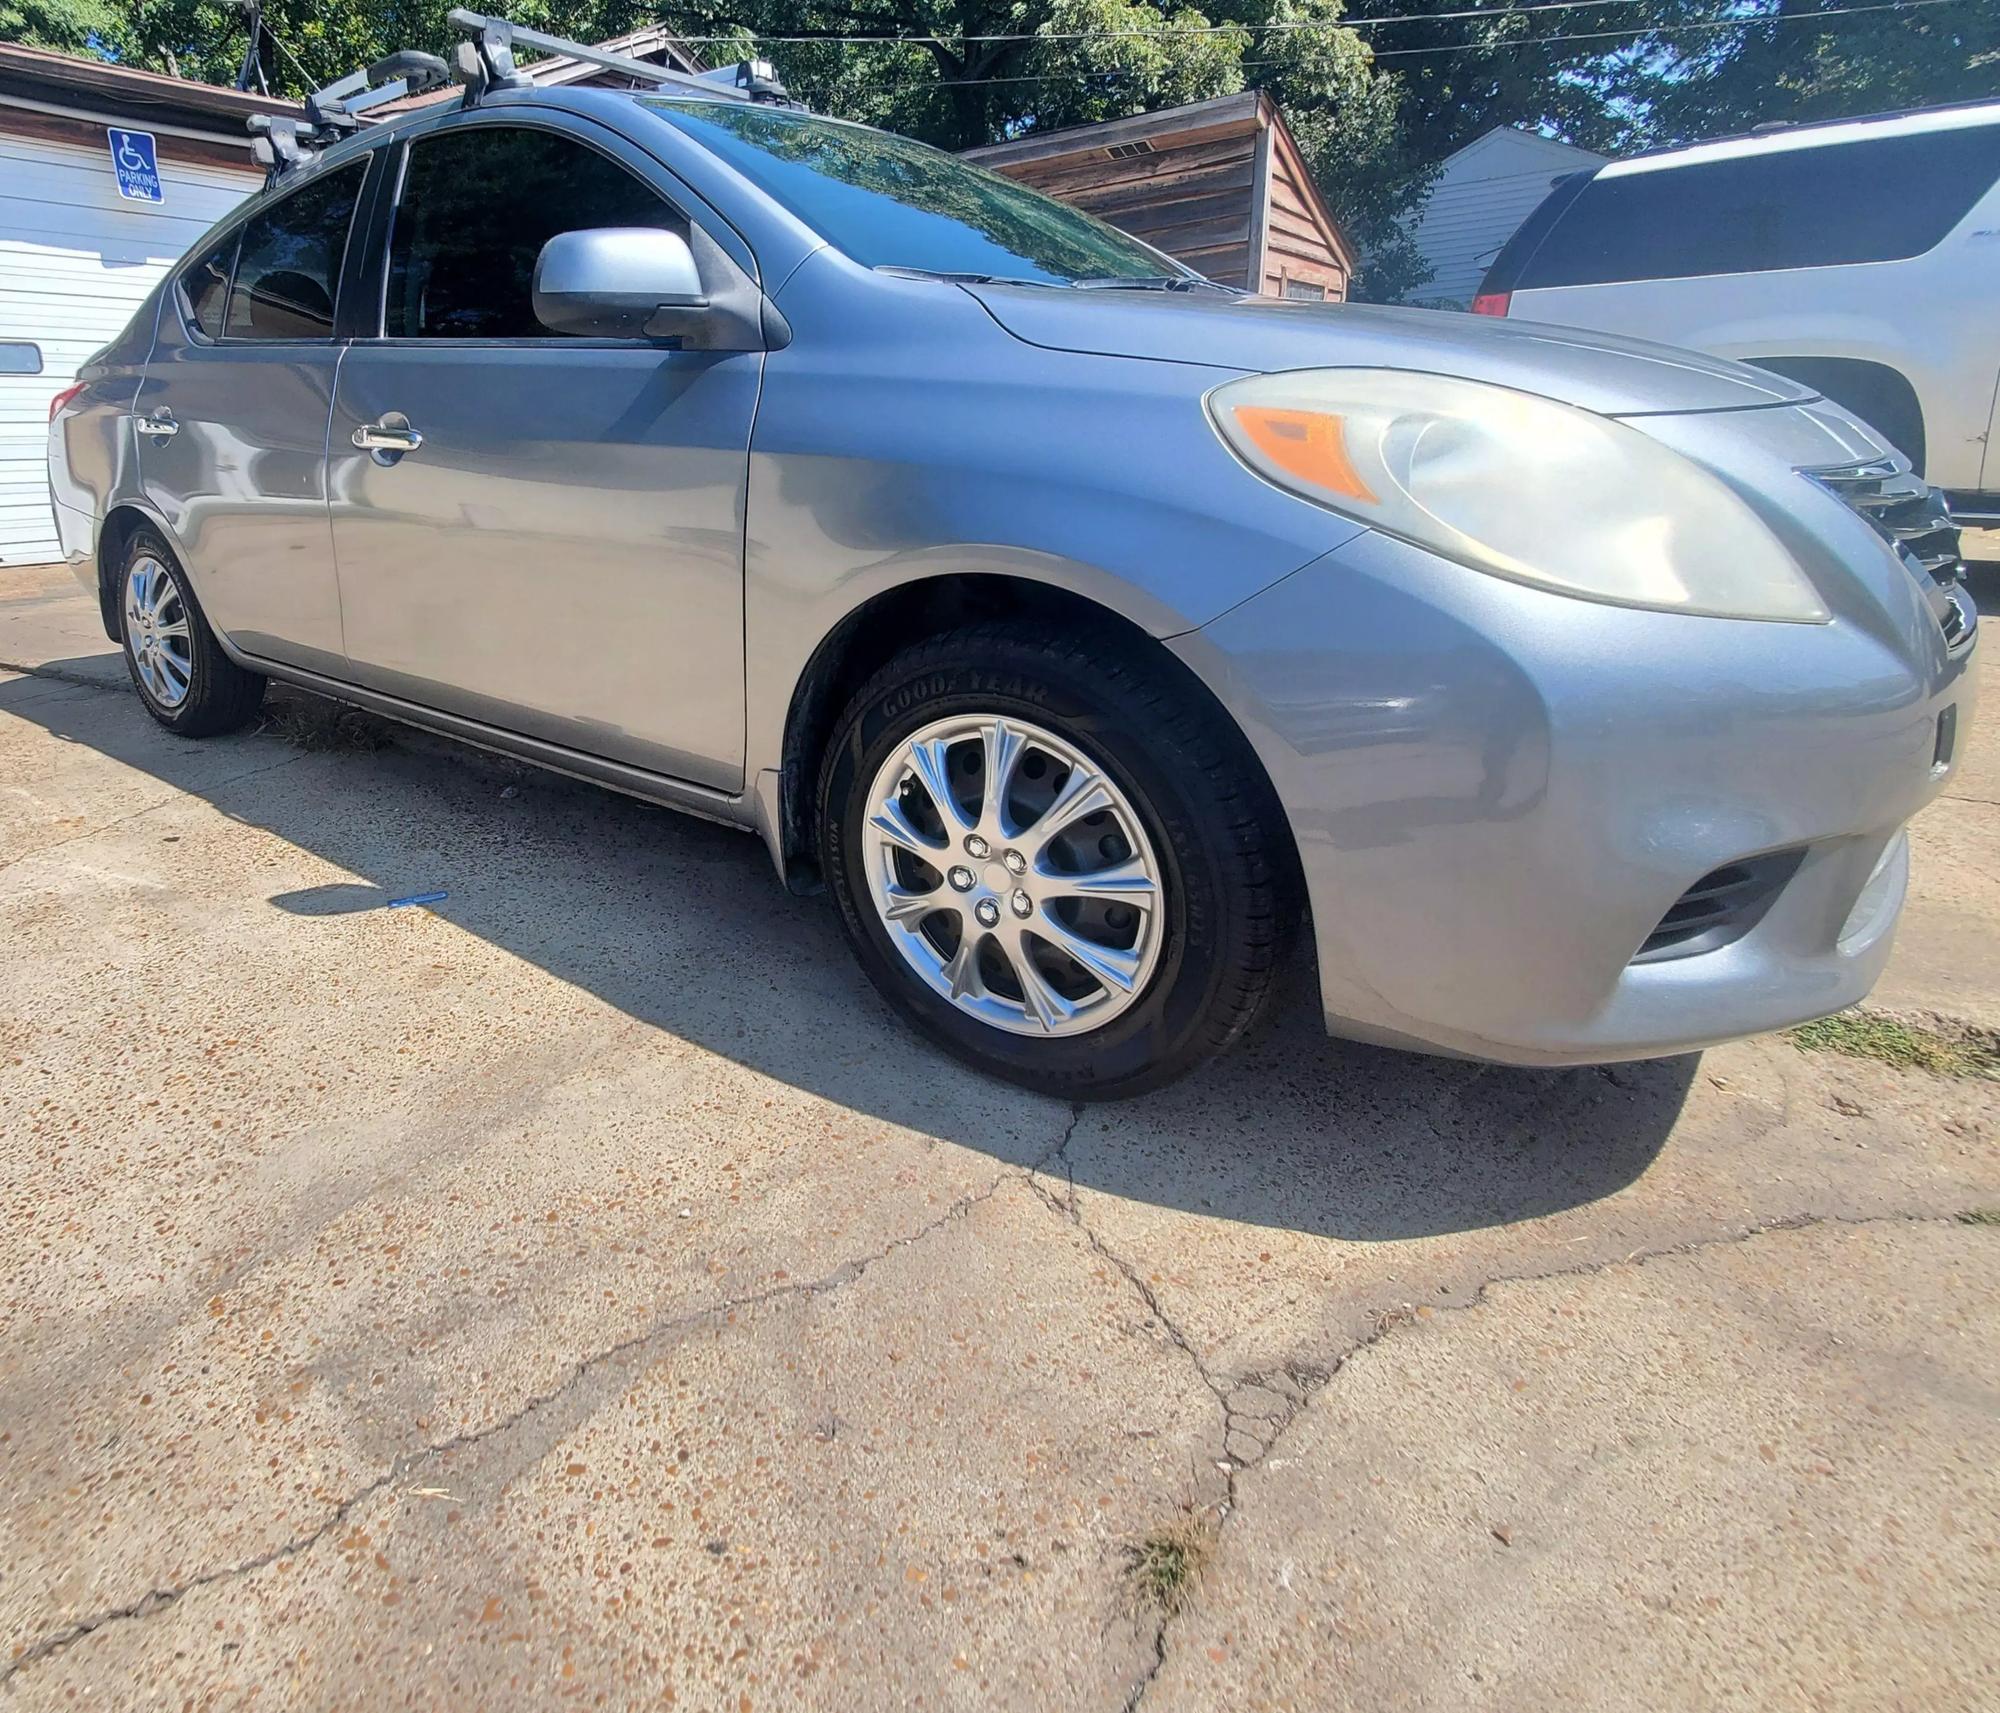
(483, 62)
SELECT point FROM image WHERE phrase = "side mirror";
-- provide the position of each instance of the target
(612, 283)
(634, 282)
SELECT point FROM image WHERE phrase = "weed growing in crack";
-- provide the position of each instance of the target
(1945, 1049)
(1980, 1216)
(1163, 1570)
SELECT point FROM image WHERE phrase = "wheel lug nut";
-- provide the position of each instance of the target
(961, 878)
(1015, 861)
(975, 846)
(1023, 904)
(987, 911)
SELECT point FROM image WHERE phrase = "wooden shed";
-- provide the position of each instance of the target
(1218, 184)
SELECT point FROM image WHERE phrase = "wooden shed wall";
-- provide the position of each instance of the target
(1295, 249)
(1192, 199)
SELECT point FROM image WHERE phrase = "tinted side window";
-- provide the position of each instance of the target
(477, 207)
(1873, 201)
(207, 285)
(289, 265)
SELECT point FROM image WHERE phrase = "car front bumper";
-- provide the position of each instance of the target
(1497, 795)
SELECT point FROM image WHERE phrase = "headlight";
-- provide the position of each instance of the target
(1519, 486)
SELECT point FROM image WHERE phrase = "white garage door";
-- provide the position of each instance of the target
(75, 260)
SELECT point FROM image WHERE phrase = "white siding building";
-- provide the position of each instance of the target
(76, 258)
(1483, 194)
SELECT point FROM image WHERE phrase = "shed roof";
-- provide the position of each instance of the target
(126, 89)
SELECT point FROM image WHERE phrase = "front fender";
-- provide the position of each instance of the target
(903, 434)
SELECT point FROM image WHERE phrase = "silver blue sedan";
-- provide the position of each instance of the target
(1091, 633)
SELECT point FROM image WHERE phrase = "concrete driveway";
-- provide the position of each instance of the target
(582, 1290)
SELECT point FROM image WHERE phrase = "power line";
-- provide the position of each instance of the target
(1743, 23)
(1379, 21)
(1282, 26)
(1751, 22)
(311, 82)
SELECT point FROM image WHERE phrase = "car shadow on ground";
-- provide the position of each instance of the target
(683, 926)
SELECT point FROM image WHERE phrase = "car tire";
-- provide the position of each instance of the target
(184, 679)
(1184, 808)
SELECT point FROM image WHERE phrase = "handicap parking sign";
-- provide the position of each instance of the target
(137, 165)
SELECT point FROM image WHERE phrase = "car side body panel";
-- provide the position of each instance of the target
(567, 491)
(93, 451)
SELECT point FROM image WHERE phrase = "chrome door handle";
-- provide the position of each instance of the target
(159, 425)
(387, 436)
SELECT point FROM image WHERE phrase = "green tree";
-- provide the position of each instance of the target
(963, 72)
(931, 69)
(1376, 108)
(1796, 60)
(67, 26)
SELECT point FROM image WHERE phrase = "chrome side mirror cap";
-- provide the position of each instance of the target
(639, 282)
(610, 282)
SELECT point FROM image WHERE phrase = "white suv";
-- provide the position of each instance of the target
(1861, 258)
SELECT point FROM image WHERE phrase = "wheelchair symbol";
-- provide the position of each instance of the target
(131, 158)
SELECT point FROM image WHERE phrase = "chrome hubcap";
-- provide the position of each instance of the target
(1013, 875)
(156, 626)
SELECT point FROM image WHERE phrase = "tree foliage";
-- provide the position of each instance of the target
(1375, 104)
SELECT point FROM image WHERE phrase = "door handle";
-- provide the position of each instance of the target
(392, 434)
(159, 425)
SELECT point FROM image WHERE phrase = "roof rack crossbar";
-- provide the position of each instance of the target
(496, 38)
(484, 61)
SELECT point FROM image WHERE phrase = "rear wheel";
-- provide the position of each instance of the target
(185, 680)
(1055, 858)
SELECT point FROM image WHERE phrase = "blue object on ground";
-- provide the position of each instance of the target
(416, 898)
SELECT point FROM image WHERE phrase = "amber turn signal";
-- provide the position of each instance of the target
(1309, 444)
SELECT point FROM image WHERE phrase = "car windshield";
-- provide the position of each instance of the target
(889, 202)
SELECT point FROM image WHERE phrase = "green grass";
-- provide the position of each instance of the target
(1945, 1052)
(312, 723)
(1164, 1568)
(1980, 1216)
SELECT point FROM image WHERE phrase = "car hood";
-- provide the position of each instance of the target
(1600, 372)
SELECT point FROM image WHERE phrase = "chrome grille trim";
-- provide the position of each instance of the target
(1912, 517)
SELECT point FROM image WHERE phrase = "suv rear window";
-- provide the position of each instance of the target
(1875, 200)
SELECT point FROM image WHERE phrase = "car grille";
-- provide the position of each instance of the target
(1720, 907)
(1911, 516)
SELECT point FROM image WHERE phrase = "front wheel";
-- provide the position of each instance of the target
(1056, 858)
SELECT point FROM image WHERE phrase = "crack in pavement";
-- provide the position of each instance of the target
(1294, 1386)
(180, 795)
(56, 675)
(159, 1599)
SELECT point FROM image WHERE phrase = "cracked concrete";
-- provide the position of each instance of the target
(583, 1288)
(1716, 1477)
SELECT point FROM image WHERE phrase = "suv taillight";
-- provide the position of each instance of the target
(62, 398)
(1491, 303)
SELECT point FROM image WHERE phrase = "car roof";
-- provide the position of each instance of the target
(1816, 134)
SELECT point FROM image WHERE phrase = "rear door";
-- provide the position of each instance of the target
(232, 414)
(561, 552)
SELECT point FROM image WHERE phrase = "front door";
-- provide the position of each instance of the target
(559, 551)
(231, 420)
